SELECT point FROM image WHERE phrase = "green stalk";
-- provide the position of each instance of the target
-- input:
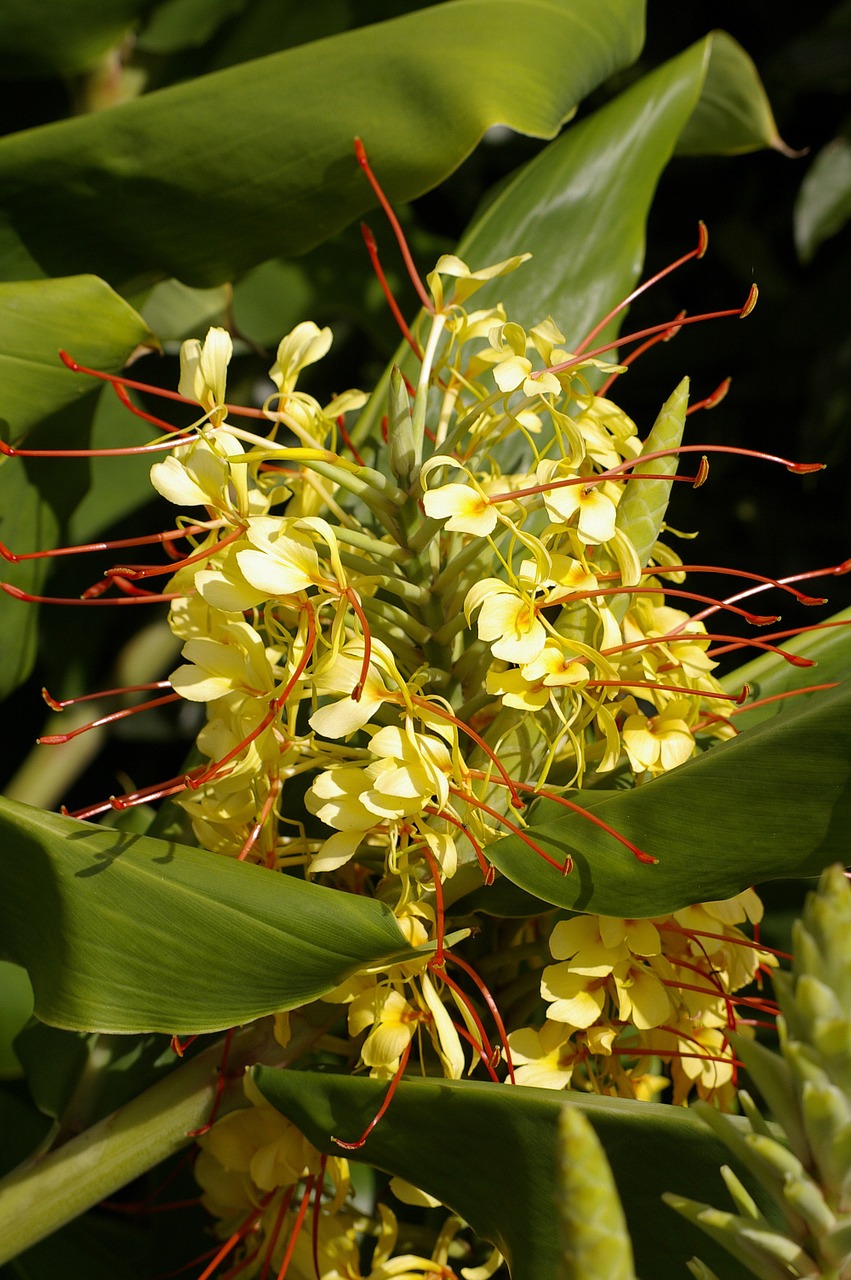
(37, 1199)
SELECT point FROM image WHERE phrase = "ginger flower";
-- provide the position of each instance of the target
(507, 620)
(661, 742)
(467, 508)
(544, 1059)
(595, 510)
(203, 372)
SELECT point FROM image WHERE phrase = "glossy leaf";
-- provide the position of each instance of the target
(781, 791)
(204, 180)
(79, 314)
(502, 1182)
(734, 114)
(125, 933)
(824, 202)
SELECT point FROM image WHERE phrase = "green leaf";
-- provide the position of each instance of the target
(79, 314)
(38, 39)
(823, 205)
(594, 1237)
(125, 933)
(206, 179)
(734, 114)
(698, 819)
(501, 1180)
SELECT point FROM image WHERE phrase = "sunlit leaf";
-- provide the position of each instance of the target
(205, 179)
(781, 791)
(125, 933)
(503, 1180)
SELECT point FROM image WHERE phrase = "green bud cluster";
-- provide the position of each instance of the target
(802, 1162)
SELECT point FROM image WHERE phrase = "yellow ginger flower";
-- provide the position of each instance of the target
(203, 372)
(661, 742)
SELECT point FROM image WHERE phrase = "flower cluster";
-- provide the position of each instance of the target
(626, 996)
(400, 638)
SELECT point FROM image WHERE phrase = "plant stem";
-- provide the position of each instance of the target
(39, 1198)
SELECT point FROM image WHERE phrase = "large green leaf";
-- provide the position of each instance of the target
(775, 801)
(125, 933)
(38, 317)
(203, 180)
(489, 1152)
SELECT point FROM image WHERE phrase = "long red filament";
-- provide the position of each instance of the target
(30, 598)
(698, 252)
(388, 1098)
(438, 904)
(137, 571)
(372, 250)
(583, 813)
(172, 535)
(564, 868)
(639, 351)
(479, 741)
(360, 152)
(56, 739)
(220, 1088)
(741, 312)
(492, 1005)
(302, 1210)
(59, 704)
(274, 1234)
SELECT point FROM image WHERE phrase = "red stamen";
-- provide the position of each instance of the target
(268, 805)
(274, 707)
(491, 1004)
(18, 594)
(388, 1097)
(372, 250)
(485, 867)
(347, 441)
(360, 152)
(179, 1046)
(709, 402)
(480, 742)
(314, 1226)
(137, 571)
(753, 943)
(305, 1201)
(794, 658)
(59, 704)
(640, 350)
(484, 1048)
(274, 1234)
(739, 698)
(55, 739)
(171, 536)
(162, 392)
(438, 904)
(698, 252)
(744, 642)
(584, 813)
(741, 312)
(488, 1063)
(220, 1088)
(232, 1241)
(755, 619)
(563, 868)
(352, 597)
(781, 583)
